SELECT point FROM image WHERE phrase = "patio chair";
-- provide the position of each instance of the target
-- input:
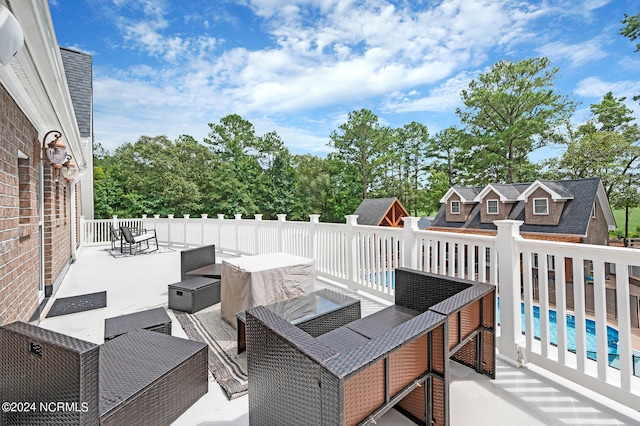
(134, 239)
(198, 257)
(141, 377)
(114, 236)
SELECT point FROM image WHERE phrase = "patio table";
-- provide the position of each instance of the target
(316, 313)
(261, 280)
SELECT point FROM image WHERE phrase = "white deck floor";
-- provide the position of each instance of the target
(518, 396)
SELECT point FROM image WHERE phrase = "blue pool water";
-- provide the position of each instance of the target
(612, 333)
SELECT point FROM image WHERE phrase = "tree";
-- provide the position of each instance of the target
(358, 142)
(233, 143)
(631, 30)
(511, 111)
(447, 147)
(412, 148)
(275, 186)
(605, 147)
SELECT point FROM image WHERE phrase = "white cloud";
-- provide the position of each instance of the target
(594, 87)
(444, 98)
(577, 54)
(324, 53)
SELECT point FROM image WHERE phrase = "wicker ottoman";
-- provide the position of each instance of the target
(152, 320)
(150, 378)
(194, 294)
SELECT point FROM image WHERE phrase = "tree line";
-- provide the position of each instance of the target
(508, 112)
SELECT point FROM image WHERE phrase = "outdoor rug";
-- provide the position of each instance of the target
(74, 304)
(117, 254)
(227, 366)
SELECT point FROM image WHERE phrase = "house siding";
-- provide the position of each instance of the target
(598, 231)
(503, 208)
(19, 232)
(555, 209)
(19, 228)
(465, 209)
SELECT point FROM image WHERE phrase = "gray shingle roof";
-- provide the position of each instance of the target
(467, 193)
(372, 210)
(575, 216)
(78, 70)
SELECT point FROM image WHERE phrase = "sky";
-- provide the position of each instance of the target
(299, 67)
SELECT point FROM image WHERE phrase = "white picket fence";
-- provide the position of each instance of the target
(538, 275)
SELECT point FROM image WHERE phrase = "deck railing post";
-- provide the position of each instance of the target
(83, 231)
(219, 223)
(509, 285)
(256, 229)
(281, 219)
(314, 220)
(409, 256)
(351, 240)
(169, 222)
(184, 228)
(236, 229)
(203, 225)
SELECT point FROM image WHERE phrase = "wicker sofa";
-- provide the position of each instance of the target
(141, 377)
(397, 357)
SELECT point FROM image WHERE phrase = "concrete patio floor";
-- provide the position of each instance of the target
(518, 396)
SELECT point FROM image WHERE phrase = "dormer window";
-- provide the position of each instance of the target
(492, 206)
(455, 207)
(540, 206)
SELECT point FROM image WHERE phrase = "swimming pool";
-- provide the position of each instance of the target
(612, 336)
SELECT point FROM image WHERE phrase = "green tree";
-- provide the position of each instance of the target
(447, 149)
(511, 111)
(313, 187)
(275, 186)
(631, 30)
(234, 144)
(605, 147)
(412, 149)
(358, 142)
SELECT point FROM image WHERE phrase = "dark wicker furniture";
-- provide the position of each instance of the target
(469, 307)
(152, 319)
(397, 357)
(199, 257)
(194, 294)
(133, 238)
(138, 378)
(316, 313)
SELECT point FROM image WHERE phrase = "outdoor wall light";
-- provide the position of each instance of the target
(55, 151)
(69, 169)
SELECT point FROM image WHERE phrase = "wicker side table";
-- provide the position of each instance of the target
(152, 320)
(194, 294)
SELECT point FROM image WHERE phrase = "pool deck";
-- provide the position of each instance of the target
(518, 396)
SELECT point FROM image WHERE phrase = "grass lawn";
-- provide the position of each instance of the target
(634, 222)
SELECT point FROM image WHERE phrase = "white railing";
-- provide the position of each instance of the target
(531, 275)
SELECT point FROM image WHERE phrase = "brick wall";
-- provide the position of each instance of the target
(19, 211)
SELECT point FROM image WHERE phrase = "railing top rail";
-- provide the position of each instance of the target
(606, 253)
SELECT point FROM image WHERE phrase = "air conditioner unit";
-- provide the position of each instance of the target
(11, 36)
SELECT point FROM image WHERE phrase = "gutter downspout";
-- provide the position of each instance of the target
(73, 228)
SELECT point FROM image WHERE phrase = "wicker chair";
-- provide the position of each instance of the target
(397, 357)
(196, 258)
(141, 377)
